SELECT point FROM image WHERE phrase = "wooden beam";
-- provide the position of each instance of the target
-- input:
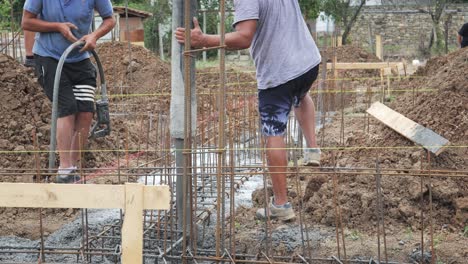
(132, 242)
(61, 195)
(156, 197)
(364, 65)
(413, 131)
(378, 47)
(99, 196)
(132, 197)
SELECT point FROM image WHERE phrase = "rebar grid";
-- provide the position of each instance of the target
(226, 153)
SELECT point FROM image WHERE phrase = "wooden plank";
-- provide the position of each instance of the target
(36, 195)
(413, 131)
(378, 47)
(99, 196)
(157, 197)
(363, 65)
(132, 229)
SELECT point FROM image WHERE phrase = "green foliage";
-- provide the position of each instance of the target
(161, 15)
(335, 8)
(465, 231)
(131, 3)
(310, 9)
(5, 13)
(214, 4)
(344, 13)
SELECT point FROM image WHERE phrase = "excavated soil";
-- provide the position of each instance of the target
(349, 53)
(133, 70)
(25, 109)
(139, 85)
(444, 110)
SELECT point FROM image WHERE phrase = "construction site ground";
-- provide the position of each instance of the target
(436, 96)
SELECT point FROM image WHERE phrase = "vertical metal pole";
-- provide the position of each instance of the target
(161, 42)
(221, 139)
(177, 86)
(183, 97)
(127, 38)
(179, 158)
(187, 126)
(204, 30)
(12, 30)
(218, 26)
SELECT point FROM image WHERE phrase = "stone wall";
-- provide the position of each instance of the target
(405, 30)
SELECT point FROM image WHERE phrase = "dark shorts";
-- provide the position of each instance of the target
(274, 104)
(77, 84)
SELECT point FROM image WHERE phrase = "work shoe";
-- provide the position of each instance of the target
(71, 177)
(30, 62)
(312, 157)
(277, 212)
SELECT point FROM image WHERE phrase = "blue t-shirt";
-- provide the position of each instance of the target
(78, 12)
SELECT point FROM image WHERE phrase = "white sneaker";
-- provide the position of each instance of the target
(279, 212)
(312, 157)
(69, 175)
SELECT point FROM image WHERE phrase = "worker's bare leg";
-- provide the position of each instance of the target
(82, 125)
(277, 164)
(305, 115)
(65, 128)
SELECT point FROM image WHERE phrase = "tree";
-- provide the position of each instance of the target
(310, 9)
(344, 12)
(435, 9)
(161, 10)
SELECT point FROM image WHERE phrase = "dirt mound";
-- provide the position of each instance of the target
(25, 108)
(133, 70)
(444, 107)
(441, 105)
(349, 53)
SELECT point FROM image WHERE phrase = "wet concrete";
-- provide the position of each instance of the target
(69, 236)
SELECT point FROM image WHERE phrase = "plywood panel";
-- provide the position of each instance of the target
(408, 128)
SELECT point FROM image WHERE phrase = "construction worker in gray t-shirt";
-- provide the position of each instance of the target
(287, 63)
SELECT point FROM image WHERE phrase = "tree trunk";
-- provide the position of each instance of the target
(349, 25)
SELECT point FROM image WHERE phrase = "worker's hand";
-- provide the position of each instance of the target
(90, 42)
(65, 30)
(197, 36)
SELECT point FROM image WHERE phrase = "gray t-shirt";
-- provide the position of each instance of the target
(282, 48)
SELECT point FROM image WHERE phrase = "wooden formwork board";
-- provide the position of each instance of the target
(132, 197)
(365, 65)
(406, 127)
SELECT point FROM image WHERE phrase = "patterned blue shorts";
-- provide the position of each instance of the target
(274, 104)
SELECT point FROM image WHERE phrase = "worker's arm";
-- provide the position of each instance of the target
(32, 23)
(459, 39)
(107, 25)
(239, 39)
